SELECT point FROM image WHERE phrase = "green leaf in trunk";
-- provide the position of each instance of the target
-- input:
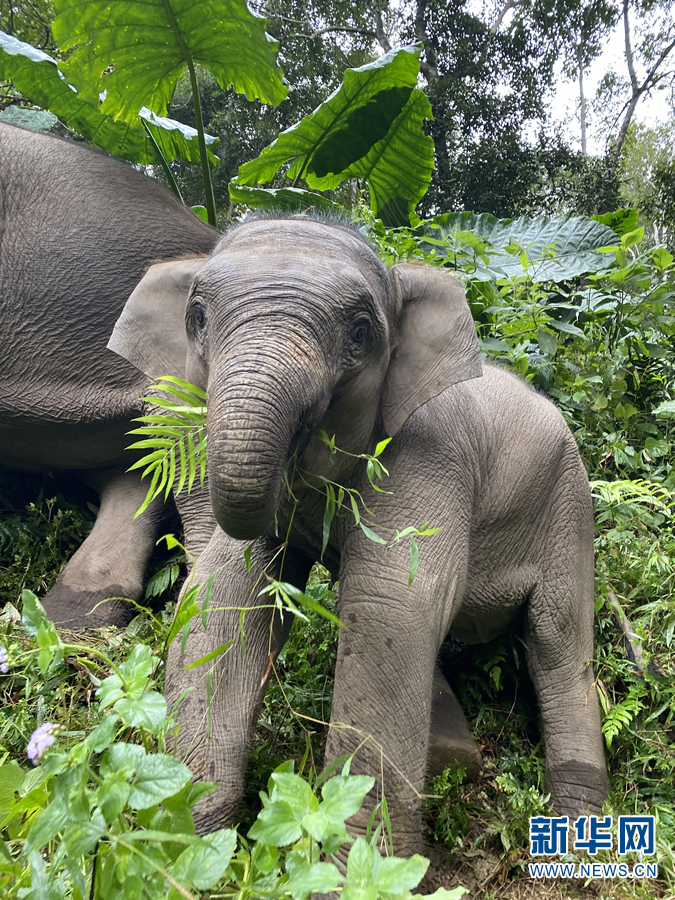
(203, 864)
(148, 711)
(158, 776)
(143, 47)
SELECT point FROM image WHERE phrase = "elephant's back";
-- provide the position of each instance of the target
(77, 231)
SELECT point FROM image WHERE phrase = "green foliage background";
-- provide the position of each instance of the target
(592, 330)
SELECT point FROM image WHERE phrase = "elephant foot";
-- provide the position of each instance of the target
(449, 736)
(79, 609)
(111, 561)
(577, 787)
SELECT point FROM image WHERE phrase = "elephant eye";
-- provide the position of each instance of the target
(198, 316)
(359, 335)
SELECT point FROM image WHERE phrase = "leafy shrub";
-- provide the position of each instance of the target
(108, 813)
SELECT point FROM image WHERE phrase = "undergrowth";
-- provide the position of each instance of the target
(601, 348)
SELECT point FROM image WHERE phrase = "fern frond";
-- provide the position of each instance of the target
(177, 439)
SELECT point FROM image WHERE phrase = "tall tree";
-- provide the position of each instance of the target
(582, 27)
(649, 43)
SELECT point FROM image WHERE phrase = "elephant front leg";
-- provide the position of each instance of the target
(383, 686)
(218, 702)
(110, 564)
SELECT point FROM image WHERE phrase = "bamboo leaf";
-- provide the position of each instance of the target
(370, 534)
(192, 466)
(214, 654)
(182, 383)
(414, 560)
(183, 467)
(328, 515)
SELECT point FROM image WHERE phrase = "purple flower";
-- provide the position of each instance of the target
(40, 739)
(4, 661)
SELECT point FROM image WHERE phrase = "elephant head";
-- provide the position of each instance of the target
(289, 323)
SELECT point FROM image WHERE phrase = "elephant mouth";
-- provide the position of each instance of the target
(300, 441)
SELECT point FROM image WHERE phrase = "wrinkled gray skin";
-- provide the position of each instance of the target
(291, 323)
(77, 232)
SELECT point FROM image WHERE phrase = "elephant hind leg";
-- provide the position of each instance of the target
(559, 637)
(111, 561)
(449, 736)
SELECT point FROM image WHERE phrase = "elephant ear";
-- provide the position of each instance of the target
(435, 346)
(150, 333)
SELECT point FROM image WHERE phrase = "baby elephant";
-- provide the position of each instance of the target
(294, 323)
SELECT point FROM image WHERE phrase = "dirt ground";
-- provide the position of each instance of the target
(489, 878)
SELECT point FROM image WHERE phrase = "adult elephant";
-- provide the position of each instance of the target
(293, 323)
(78, 230)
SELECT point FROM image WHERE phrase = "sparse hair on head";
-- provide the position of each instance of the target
(332, 219)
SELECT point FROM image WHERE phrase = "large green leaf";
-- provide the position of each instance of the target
(38, 78)
(398, 168)
(176, 139)
(621, 221)
(369, 128)
(143, 47)
(573, 241)
(35, 119)
(281, 199)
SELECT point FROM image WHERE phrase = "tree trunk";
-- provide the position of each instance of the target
(582, 98)
(637, 89)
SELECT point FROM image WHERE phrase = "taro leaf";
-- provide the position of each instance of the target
(369, 128)
(398, 168)
(666, 409)
(621, 221)
(148, 44)
(281, 199)
(573, 239)
(359, 131)
(35, 119)
(37, 77)
(175, 139)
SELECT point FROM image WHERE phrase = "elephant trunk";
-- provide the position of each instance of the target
(259, 404)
